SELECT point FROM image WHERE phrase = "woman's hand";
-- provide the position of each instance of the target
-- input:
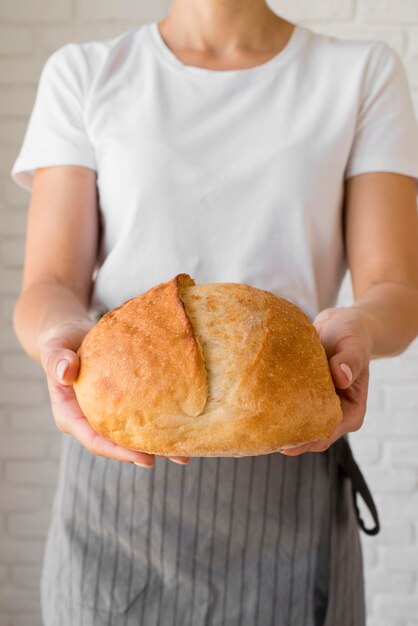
(344, 333)
(58, 348)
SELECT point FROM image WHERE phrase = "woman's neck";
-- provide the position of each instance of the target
(224, 31)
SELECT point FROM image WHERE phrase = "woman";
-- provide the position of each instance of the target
(234, 145)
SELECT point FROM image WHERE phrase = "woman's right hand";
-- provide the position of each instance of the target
(61, 363)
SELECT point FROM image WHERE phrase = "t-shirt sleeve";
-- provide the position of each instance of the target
(56, 133)
(386, 133)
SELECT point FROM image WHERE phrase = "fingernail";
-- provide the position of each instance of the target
(179, 462)
(347, 372)
(148, 466)
(62, 368)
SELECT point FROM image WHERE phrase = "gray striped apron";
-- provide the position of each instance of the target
(254, 541)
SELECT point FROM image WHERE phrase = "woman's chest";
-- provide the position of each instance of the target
(168, 143)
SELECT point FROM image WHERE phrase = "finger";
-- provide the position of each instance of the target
(313, 446)
(70, 419)
(182, 460)
(347, 359)
(101, 446)
(61, 364)
(346, 366)
(320, 445)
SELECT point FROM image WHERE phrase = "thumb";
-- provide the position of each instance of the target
(345, 368)
(60, 364)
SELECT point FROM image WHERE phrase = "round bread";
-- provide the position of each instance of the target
(219, 369)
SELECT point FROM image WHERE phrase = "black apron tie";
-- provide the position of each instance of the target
(358, 485)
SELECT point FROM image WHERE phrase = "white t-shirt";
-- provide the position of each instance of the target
(227, 175)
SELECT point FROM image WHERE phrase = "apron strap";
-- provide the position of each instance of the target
(358, 485)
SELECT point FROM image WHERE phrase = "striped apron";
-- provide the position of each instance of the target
(268, 540)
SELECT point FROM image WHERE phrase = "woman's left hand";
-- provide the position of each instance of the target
(344, 333)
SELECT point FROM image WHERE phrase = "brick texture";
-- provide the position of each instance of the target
(388, 11)
(36, 11)
(386, 445)
(307, 10)
(119, 9)
(16, 41)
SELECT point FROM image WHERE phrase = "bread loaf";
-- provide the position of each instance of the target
(218, 369)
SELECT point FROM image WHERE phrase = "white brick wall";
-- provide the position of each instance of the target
(386, 446)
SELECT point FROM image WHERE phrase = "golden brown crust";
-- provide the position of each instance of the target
(220, 369)
(141, 363)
